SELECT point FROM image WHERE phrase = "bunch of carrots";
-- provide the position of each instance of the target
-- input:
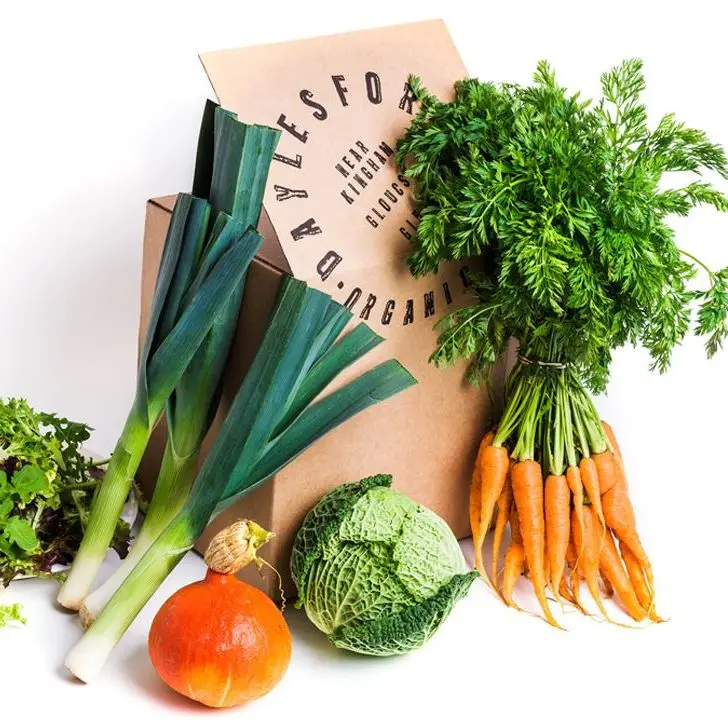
(576, 522)
(567, 206)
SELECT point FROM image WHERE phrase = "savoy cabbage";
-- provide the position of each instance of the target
(375, 571)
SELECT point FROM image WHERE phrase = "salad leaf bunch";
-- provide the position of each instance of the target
(46, 487)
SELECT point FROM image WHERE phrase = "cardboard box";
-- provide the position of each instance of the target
(338, 216)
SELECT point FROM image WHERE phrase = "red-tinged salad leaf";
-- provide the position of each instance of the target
(46, 486)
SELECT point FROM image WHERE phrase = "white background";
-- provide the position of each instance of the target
(99, 107)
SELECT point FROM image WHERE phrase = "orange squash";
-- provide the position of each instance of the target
(221, 641)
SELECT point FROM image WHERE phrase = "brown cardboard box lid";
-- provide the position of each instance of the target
(338, 213)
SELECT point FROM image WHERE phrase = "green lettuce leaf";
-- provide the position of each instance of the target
(10, 614)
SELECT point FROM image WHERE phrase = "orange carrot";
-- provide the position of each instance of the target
(546, 568)
(573, 478)
(644, 592)
(612, 569)
(573, 561)
(605, 585)
(489, 475)
(619, 516)
(476, 485)
(527, 483)
(557, 504)
(571, 556)
(571, 551)
(564, 589)
(512, 569)
(568, 595)
(608, 471)
(613, 441)
(589, 545)
(617, 451)
(590, 480)
(505, 501)
(515, 523)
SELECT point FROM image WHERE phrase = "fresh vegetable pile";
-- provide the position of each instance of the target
(46, 489)
(375, 571)
(564, 202)
(278, 411)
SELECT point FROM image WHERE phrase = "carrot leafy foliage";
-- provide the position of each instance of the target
(565, 201)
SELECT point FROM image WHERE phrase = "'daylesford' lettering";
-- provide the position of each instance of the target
(341, 89)
(283, 193)
(374, 87)
(305, 229)
(372, 84)
(302, 136)
(296, 162)
(320, 112)
(327, 264)
(408, 99)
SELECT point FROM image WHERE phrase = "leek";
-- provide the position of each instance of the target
(231, 171)
(199, 284)
(277, 413)
(163, 361)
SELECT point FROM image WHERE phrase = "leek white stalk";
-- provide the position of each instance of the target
(106, 511)
(86, 659)
(174, 482)
(276, 414)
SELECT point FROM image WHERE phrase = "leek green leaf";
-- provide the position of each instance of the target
(192, 245)
(205, 151)
(378, 384)
(228, 152)
(242, 155)
(173, 356)
(334, 359)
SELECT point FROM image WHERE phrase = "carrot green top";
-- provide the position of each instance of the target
(566, 203)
